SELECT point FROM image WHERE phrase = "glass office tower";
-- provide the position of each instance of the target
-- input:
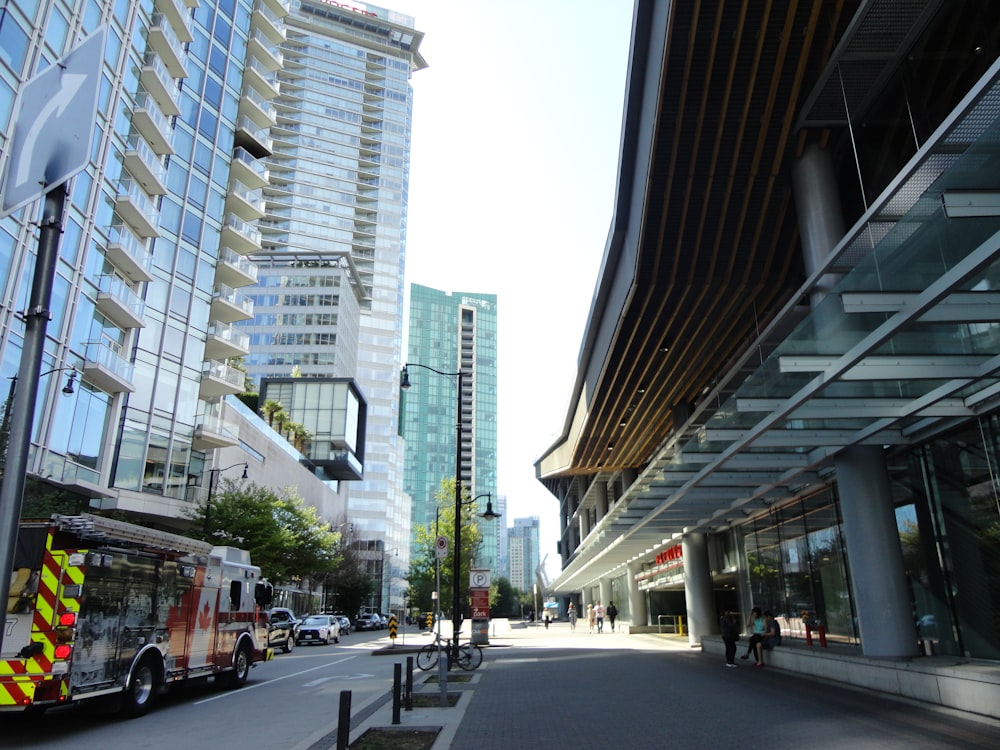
(329, 298)
(452, 332)
(157, 232)
(525, 552)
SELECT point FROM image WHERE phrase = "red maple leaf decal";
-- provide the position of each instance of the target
(205, 618)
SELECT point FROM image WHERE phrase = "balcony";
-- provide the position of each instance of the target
(129, 254)
(213, 431)
(224, 341)
(136, 209)
(279, 7)
(219, 379)
(267, 20)
(179, 17)
(105, 368)
(239, 235)
(257, 108)
(248, 170)
(145, 166)
(152, 123)
(155, 78)
(228, 305)
(262, 79)
(245, 203)
(119, 304)
(265, 50)
(234, 270)
(253, 138)
(163, 39)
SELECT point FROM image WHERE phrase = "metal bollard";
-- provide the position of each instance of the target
(822, 636)
(408, 695)
(397, 670)
(344, 721)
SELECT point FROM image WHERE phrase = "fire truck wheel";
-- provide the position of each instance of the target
(141, 688)
(241, 668)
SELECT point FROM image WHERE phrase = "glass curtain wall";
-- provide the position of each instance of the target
(798, 568)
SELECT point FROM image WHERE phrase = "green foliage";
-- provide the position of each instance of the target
(422, 564)
(348, 587)
(285, 537)
(503, 599)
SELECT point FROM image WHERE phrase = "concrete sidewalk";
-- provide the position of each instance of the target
(510, 644)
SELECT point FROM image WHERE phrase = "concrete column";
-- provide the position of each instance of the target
(601, 491)
(698, 588)
(636, 598)
(584, 524)
(821, 220)
(878, 576)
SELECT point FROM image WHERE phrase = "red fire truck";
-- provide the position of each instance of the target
(98, 607)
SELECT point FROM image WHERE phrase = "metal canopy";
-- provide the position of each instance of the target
(905, 344)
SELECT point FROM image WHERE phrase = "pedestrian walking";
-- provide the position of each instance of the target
(571, 616)
(591, 620)
(599, 616)
(612, 614)
(730, 634)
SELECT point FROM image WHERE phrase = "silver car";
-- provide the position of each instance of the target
(318, 629)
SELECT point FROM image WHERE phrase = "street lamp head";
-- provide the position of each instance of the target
(489, 515)
(404, 379)
(246, 468)
(68, 388)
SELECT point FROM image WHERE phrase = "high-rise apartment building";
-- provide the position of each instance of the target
(452, 333)
(329, 298)
(157, 234)
(524, 551)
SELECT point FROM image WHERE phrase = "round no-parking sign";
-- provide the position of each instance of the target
(441, 547)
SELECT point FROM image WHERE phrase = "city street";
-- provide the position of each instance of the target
(291, 700)
(536, 688)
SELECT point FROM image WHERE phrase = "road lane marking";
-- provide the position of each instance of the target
(276, 679)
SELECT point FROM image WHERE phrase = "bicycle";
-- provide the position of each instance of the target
(470, 655)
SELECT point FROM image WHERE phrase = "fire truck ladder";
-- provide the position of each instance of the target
(89, 526)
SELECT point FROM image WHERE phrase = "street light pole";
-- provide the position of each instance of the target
(456, 563)
(213, 478)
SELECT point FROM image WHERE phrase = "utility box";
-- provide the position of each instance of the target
(481, 631)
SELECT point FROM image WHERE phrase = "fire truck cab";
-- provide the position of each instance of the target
(98, 607)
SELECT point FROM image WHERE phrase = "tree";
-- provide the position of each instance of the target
(422, 564)
(347, 588)
(271, 410)
(285, 537)
(503, 598)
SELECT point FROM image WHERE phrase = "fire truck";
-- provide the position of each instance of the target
(102, 608)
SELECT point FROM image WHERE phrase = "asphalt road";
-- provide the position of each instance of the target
(292, 700)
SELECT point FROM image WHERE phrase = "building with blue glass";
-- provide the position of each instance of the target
(787, 392)
(157, 231)
(328, 301)
(452, 332)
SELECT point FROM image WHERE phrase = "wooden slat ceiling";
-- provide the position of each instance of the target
(720, 245)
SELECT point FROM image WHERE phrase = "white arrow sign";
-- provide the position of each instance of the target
(54, 124)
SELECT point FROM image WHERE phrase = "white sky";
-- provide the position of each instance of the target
(516, 131)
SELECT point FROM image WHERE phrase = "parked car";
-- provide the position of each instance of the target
(318, 629)
(281, 626)
(345, 624)
(368, 622)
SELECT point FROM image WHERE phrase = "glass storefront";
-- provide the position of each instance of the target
(798, 568)
(947, 499)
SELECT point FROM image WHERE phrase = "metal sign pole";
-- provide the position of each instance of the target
(36, 319)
